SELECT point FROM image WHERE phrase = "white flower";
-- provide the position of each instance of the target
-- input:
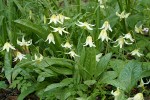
(60, 30)
(116, 93)
(138, 96)
(98, 56)
(129, 36)
(121, 42)
(122, 15)
(55, 19)
(67, 45)
(101, 3)
(142, 83)
(89, 42)
(36, 58)
(85, 25)
(62, 18)
(19, 56)
(146, 30)
(24, 43)
(136, 52)
(139, 29)
(103, 35)
(73, 54)
(8, 46)
(106, 26)
(50, 38)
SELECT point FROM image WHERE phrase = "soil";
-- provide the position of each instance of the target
(12, 94)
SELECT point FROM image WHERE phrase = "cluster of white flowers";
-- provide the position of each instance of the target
(57, 19)
(50, 38)
(19, 56)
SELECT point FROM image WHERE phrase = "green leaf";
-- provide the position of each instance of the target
(54, 86)
(107, 76)
(89, 82)
(90, 61)
(27, 92)
(8, 66)
(59, 61)
(117, 65)
(17, 69)
(102, 64)
(61, 70)
(27, 25)
(128, 76)
(3, 85)
(145, 73)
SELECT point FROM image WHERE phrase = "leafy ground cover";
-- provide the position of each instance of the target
(74, 50)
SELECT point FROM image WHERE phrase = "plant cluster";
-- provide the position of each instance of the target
(76, 49)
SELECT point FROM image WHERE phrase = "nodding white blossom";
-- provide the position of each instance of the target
(138, 96)
(55, 19)
(62, 18)
(67, 45)
(73, 54)
(85, 25)
(101, 3)
(136, 52)
(121, 41)
(145, 30)
(19, 56)
(50, 38)
(103, 35)
(38, 59)
(122, 15)
(106, 26)
(23, 42)
(129, 36)
(139, 29)
(60, 30)
(89, 42)
(98, 56)
(116, 93)
(8, 46)
(142, 83)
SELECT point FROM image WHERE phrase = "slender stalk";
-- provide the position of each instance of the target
(97, 26)
(79, 6)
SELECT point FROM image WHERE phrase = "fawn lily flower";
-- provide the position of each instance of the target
(60, 30)
(121, 42)
(136, 52)
(101, 3)
(122, 15)
(67, 45)
(55, 19)
(19, 56)
(106, 26)
(24, 43)
(139, 29)
(142, 83)
(146, 30)
(73, 54)
(8, 46)
(98, 56)
(138, 96)
(85, 25)
(103, 35)
(50, 38)
(116, 93)
(62, 18)
(39, 59)
(89, 42)
(129, 36)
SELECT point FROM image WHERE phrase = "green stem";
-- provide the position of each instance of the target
(79, 6)
(97, 26)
